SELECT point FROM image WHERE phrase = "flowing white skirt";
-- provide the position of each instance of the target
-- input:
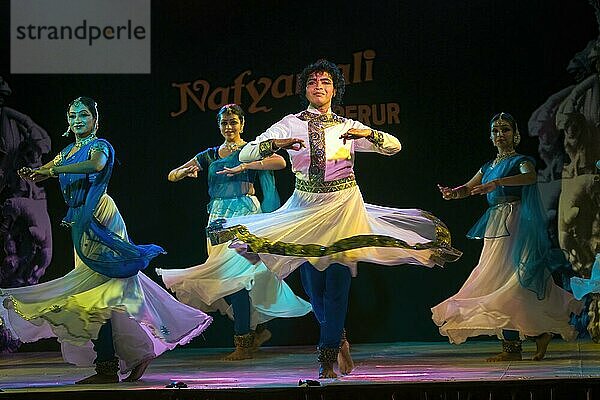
(492, 299)
(146, 319)
(338, 227)
(225, 272)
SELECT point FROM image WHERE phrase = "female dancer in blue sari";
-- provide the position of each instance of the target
(510, 293)
(239, 286)
(104, 301)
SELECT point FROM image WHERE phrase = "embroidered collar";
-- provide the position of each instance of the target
(313, 110)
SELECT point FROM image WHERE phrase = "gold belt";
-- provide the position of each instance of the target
(325, 186)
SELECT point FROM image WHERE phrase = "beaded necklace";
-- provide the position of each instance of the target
(80, 142)
(233, 146)
(501, 157)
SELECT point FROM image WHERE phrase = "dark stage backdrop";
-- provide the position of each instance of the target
(430, 72)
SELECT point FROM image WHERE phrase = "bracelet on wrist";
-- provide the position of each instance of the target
(456, 192)
(52, 172)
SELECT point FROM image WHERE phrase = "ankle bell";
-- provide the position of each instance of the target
(244, 341)
(327, 354)
(343, 337)
(512, 346)
(108, 368)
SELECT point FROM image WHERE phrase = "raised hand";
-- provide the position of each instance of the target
(447, 192)
(25, 172)
(189, 172)
(40, 173)
(354, 133)
(289, 144)
(34, 174)
(232, 171)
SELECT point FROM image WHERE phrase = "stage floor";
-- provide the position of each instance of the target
(395, 367)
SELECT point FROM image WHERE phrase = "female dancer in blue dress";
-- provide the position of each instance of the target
(104, 300)
(240, 287)
(510, 293)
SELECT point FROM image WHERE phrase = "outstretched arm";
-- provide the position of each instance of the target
(188, 170)
(278, 136)
(96, 163)
(272, 162)
(527, 176)
(367, 139)
(461, 191)
(26, 173)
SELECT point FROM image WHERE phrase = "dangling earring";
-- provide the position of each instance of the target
(68, 132)
(516, 138)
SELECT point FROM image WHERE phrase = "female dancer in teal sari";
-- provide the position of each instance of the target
(510, 293)
(105, 301)
(239, 286)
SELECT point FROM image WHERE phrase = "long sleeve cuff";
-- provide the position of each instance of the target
(384, 143)
(265, 149)
(376, 138)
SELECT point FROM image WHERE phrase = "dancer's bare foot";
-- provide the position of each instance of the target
(504, 356)
(261, 337)
(137, 372)
(240, 353)
(344, 359)
(541, 343)
(97, 379)
(326, 371)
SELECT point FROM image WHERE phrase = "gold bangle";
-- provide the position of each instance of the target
(242, 166)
